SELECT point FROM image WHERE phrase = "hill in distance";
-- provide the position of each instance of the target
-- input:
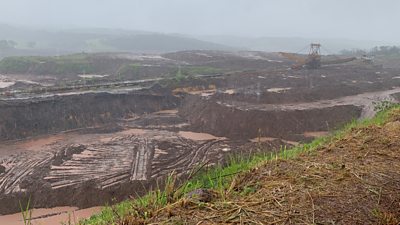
(30, 41)
(46, 41)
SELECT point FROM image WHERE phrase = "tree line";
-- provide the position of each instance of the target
(378, 50)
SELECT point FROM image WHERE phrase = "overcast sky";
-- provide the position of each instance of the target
(353, 19)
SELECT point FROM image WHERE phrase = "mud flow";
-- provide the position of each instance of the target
(83, 148)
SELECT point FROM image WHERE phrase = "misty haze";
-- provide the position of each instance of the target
(131, 112)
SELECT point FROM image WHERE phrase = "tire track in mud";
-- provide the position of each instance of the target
(117, 164)
(18, 168)
(190, 154)
(108, 165)
(141, 167)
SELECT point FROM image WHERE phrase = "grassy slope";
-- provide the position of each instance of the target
(85, 63)
(345, 178)
(77, 63)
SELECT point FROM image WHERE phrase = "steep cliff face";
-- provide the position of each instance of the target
(21, 119)
(238, 123)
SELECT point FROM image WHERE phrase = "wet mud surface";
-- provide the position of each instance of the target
(84, 149)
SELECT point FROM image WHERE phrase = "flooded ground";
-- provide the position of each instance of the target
(197, 136)
(75, 166)
(86, 146)
(53, 216)
(92, 76)
(4, 84)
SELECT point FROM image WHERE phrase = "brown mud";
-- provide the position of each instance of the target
(351, 180)
(85, 148)
(52, 216)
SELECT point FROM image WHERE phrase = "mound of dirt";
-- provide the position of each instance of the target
(352, 180)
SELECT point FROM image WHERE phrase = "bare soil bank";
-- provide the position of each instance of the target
(25, 118)
(229, 121)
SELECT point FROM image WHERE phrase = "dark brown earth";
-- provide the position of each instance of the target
(84, 145)
(352, 180)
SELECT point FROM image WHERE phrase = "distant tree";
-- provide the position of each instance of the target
(31, 44)
(378, 50)
(7, 44)
(353, 52)
(4, 45)
(12, 43)
(385, 50)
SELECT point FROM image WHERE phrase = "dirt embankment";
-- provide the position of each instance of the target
(25, 118)
(351, 180)
(208, 116)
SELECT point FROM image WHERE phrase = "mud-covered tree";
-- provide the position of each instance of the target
(7, 44)
(386, 50)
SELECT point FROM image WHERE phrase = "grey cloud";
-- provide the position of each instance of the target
(353, 19)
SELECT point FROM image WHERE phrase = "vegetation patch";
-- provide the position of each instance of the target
(68, 64)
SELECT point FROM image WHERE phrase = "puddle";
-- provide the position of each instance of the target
(269, 139)
(315, 134)
(92, 76)
(211, 90)
(59, 215)
(170, 111)
(203, 54)
(5, 84)
(230, 92)
(278, 90)
(262, 139)
(207, 94)
(28, 82)
(38, 144)
(294, 143)
(197, 136)
(133, 132)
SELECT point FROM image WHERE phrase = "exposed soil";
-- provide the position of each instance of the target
(25, 118)
(76, 167)
(85, 144)
(353, 180)
(287, 121)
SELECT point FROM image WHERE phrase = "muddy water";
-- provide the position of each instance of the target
(52, 216)
(92, 76)
(4, 84)
(70, 161)
(315, 134)
(230, 92)
(197, 136)
(45, 142)
(38, 144)
(269, 139)
(278, 90)
(34, 144)
(170, 111)
(262, 139)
